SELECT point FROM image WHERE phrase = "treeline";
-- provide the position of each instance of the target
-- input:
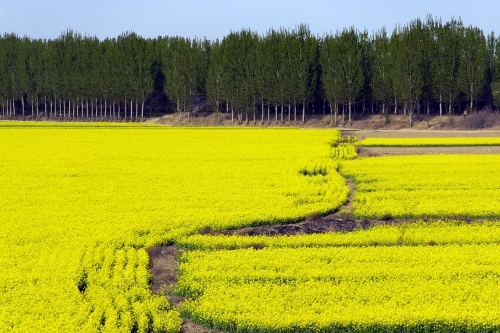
(422, 67)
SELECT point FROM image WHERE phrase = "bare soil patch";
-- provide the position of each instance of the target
(165, 270)
(330, 223)
(412, 133)
(388, 151)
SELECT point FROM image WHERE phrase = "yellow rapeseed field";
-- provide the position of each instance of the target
(439, 186)
(452, 288)
(79, 204)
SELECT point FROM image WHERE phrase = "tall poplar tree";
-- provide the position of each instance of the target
(445, 64)
(472, 74)
(407, 57)
(381, 67)
(350, 57)
(330, 68)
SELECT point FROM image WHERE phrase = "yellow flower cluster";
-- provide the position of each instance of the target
(79, 205)
(428, 142)
(451, 288)
(439, 186)
(344, 151)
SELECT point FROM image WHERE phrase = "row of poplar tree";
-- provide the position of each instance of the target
(422, 67)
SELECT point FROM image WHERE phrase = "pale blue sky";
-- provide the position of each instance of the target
(216, 18)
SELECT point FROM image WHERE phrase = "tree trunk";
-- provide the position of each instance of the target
(343, 114)
(178, 109)
(349, 112)
(471, 98)
(336, 111)
(142, 109)
(440, 106)
(22, 103)
(304, 112)
(262, 110)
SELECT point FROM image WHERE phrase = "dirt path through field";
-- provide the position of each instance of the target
(164, 265)
(408, 133)
(387, 151)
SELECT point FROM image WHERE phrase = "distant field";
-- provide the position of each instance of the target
(78, 207)
(429, 142)
(438, 186)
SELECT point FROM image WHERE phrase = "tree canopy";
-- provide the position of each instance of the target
(282, 75)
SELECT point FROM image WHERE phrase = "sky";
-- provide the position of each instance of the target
(212, 19)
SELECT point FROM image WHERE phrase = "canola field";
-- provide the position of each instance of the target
(437, 186)
(451, 288)
(418, 277)
(79, 205)
(429, 142)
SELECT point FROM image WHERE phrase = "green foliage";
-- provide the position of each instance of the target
(423, 64)
(495, 91)
(472, 75)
